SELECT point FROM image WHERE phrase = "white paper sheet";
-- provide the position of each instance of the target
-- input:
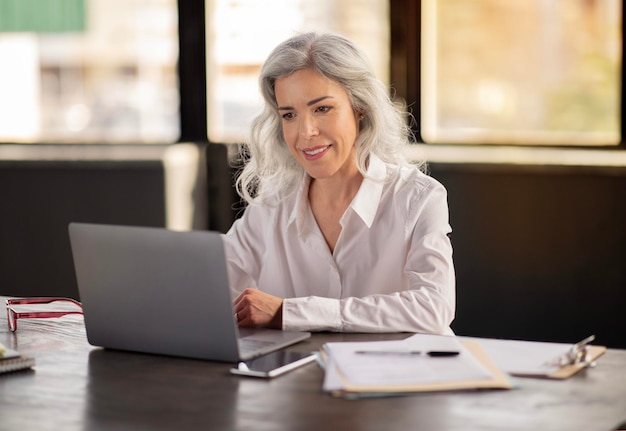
(400, 370)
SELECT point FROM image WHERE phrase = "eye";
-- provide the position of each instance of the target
(288, 116)
(323, 109)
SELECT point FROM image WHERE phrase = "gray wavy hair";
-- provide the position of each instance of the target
(270, 170)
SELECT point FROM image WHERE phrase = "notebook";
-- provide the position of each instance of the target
(154, 290)
(11, 360)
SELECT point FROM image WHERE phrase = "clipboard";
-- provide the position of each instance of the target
(568, 370)
(537, 359)
(498, 380)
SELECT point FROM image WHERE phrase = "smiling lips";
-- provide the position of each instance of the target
(315, 152)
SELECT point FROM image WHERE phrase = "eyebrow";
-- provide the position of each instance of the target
(309, 103)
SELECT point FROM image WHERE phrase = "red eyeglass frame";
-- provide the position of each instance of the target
(13, 316)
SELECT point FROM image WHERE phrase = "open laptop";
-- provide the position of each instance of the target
(154, 290)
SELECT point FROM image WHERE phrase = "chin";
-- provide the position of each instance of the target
(318, 174)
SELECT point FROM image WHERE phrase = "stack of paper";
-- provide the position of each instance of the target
(417, 364)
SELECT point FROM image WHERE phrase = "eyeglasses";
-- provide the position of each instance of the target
(13, 315)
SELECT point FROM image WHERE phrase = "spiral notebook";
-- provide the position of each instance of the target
(11, 360)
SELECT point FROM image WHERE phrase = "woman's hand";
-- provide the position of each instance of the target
(254, 308)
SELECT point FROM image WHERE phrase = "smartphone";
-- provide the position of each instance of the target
(273, 364)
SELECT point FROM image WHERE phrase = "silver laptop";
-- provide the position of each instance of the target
(153, 290)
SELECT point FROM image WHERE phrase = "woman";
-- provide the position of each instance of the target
(341, 233)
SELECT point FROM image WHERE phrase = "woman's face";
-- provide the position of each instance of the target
(319, 124)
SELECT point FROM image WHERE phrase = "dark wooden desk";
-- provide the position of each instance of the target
(78, 387)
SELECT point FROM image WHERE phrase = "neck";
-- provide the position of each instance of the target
(335, 191)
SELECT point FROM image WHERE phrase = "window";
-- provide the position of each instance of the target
(109, 77)
(241, 33)
(521, 72)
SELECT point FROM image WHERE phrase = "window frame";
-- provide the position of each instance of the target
(192, 71)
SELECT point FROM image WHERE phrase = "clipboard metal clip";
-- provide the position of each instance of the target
(577, 355)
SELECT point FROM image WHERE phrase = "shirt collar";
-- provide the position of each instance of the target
(300, 208)
(364, 204)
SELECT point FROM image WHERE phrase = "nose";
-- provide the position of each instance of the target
(308, 127)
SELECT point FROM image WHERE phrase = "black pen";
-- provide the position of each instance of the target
(433, 353)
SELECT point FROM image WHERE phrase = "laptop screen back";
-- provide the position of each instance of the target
(155, 291)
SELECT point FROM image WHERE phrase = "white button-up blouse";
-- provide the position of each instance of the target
(391, 270)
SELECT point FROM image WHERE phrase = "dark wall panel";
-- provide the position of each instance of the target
(540, 253)
(39, 199)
